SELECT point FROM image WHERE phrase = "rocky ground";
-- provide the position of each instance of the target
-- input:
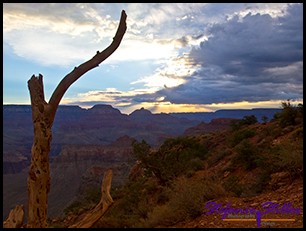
(292, 194)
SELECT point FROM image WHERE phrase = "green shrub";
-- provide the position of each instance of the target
(247, 155)
(247, 120)
(240, 135)
(175, 157)
(195, 164)
(290, 115)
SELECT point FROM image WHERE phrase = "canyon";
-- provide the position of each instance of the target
(86, 142)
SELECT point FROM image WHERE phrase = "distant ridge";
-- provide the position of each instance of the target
(143, 114)
(228, 113)
(200, 116)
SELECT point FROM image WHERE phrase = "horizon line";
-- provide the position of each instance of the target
(88, 108)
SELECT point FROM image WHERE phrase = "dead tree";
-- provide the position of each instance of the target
(43, 114)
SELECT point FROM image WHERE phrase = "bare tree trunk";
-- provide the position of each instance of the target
(39, 173)
(43, 114)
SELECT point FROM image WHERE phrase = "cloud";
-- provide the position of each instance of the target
(112, 96)
(204, 53)
(68, 33)
(173, 73)
(56, 34)
(143, 49)
(254, 58)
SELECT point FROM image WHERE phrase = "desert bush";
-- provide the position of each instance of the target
(289, 115)
(187, 200)
(287, 156)
(183, 148)
(247, 120)
(240, 135)
(247, 155)
(195, 164)
(175, 157)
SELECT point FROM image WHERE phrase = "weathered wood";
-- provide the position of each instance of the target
(39, 172)
(15, 218)
(90, 64)
(43, 115)
(99, 210)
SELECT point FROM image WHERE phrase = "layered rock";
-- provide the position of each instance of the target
(214, 126)
(78, 167)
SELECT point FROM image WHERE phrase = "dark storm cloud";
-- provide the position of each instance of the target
(254, 58)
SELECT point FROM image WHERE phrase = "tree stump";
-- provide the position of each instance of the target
(15, 218)
(99, 210)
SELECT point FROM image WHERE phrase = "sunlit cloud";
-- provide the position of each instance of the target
(137, 49)
(172, 74)
(50, 41)
(54, 38)
(109, 96)
(250, 105)
(172, 108)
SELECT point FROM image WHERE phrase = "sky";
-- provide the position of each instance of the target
(174, 57)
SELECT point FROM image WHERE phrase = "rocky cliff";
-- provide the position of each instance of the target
(72, 171)
(213, 126)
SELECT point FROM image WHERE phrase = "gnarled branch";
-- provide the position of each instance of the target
(90, 64)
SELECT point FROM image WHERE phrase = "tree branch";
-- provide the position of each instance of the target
(90, 64)
(105, 202)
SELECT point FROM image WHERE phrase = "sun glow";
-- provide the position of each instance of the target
(172, 74)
